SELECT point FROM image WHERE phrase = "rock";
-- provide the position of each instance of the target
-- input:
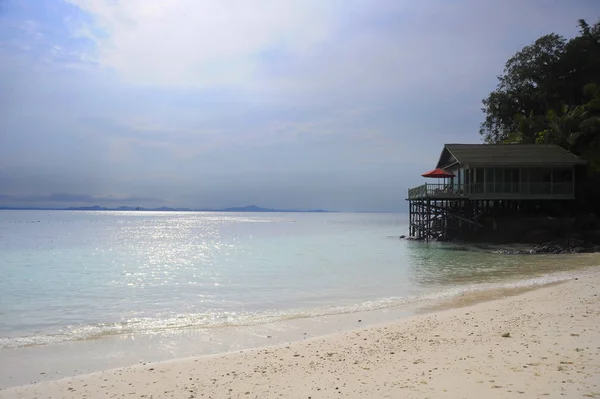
(567, 226)
(575, 241)
(550, 235)
(504, 251)
(543, 223)
(506, 335)
(562, 247)
(585, 221)
(538, 236)
(549, 248)
(459, 249)
(593, 236)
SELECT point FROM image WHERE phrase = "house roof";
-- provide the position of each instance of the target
(506, 155)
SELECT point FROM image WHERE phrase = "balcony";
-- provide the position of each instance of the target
(494, 191)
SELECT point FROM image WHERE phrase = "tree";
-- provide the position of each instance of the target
(564, 127)
(525, 88)
(549, 92)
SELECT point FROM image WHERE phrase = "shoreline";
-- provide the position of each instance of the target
(72, 358)
(554, 337)
(515, 282)
(551, 247)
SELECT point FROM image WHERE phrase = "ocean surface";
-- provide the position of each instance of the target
(89, 290)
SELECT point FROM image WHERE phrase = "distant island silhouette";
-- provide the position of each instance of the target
(248, 208)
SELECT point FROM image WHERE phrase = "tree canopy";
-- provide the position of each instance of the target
(549, 92)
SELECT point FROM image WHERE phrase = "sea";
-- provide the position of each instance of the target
(87, 291)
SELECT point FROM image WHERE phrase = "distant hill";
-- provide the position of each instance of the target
(126, 208)
(248, 208)
(87, 208)
(254, 208)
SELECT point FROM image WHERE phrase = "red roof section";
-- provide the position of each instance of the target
(439, 173)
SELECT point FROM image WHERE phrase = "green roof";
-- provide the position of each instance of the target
(507, 155)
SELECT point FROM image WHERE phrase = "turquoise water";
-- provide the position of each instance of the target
(72, 275)
(75, 276)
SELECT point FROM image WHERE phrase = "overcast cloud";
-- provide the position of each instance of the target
(337, 104)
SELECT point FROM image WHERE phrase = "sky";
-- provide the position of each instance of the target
(330, 104)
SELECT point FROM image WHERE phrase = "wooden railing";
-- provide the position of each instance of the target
(483, 189)
(434, 190)
(418, 192)
(520, 188)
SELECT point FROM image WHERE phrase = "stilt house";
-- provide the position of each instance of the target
(479, 179)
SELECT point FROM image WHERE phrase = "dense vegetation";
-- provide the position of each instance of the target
(549, 92)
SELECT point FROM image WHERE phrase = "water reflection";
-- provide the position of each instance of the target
(443, 264)
(192, 269)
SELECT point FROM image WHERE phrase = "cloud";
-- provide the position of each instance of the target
(329, 50)
(59, 199)
(207, 43)
(33, 34)
(326, 104)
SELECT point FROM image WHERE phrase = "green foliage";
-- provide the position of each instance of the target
(549, 92)
(523, 89)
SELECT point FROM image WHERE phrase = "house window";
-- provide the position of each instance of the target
(460, 180)
(562, 181)
(540, 180)
(524, 180)
(478, 186)
(512, 180)
(499, 183)
(489, 180)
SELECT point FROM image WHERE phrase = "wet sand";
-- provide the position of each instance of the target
(552, 350)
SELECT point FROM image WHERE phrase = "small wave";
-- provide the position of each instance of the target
(158, 325)
(514, 284)
(162, 325)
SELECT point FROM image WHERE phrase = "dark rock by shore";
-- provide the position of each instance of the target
(546, 235)
(555, 248)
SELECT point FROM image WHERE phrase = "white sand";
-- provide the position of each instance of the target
(553, 351)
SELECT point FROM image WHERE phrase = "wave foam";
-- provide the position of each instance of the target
(161, 325)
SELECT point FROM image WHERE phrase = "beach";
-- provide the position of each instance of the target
(540, 343)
